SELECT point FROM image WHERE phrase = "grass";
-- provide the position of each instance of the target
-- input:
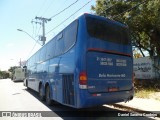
(144, 93)
(146, 89)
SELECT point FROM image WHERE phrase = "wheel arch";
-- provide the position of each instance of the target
(40, 83)
(46, 84)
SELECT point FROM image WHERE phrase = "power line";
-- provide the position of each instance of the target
(28, 35)
(32, 49)
(35, 31)
(42, 6)
(128, 9)
(38, 31)
(69, 17)
(48, 7)
(64, 9)
(50, 19)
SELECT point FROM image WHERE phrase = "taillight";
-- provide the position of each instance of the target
(83, 80)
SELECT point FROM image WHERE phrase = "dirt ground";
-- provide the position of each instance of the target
(155, 95)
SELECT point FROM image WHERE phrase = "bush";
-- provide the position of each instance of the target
(147, 84)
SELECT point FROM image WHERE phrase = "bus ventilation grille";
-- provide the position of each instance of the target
(68, 89)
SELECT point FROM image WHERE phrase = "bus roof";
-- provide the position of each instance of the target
(90, 15)
(104, 18)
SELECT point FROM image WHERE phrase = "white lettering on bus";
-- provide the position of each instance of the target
(105, 61)
(121, 62)
(104, 75)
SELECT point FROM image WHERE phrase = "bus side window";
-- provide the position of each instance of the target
(32, 61)
(70, 35)
(37, 57)
(42, 55)
(51, 49)
(59, 44)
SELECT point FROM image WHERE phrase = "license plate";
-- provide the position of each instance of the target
(113, 89)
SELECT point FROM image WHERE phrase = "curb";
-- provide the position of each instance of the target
(134, 109)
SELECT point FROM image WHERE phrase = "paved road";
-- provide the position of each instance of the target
(15, 97)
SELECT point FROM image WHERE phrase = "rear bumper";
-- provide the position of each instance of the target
(88, 100)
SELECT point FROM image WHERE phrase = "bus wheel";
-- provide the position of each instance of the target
(27, 84)
(48, 98)
(41, 93)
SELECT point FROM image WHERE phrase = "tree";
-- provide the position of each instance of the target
(4, 74)
(1, 74)
(142, 17)
(11, 69)
(136, 54)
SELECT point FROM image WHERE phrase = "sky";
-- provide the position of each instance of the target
(18, 14)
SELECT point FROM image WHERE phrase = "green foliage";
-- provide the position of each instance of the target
(142, 17)
(4, 74)
(11, 70)
(147, 88)
(144, 93)
(7, 74)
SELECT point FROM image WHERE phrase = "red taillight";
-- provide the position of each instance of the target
(83, 78)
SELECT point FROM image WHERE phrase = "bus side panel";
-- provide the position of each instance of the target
(67, 76)
(80, 59)
(53, 76)
(42, 74)
(66, 83)
(60, 69)
(31, 80)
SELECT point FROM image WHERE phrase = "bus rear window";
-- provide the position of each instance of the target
(107, 30)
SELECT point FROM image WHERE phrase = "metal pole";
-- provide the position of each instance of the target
(28, 35)
(44, 20)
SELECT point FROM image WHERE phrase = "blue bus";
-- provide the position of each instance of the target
(88, 63)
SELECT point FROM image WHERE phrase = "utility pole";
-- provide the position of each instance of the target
(44, 20)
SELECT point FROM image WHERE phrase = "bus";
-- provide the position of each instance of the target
(88, 63)
(19, 74)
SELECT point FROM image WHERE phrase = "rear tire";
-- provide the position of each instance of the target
(27, 84)
(42, 97)
(48, 97)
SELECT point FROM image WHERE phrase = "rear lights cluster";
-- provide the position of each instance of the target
(83, 80)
